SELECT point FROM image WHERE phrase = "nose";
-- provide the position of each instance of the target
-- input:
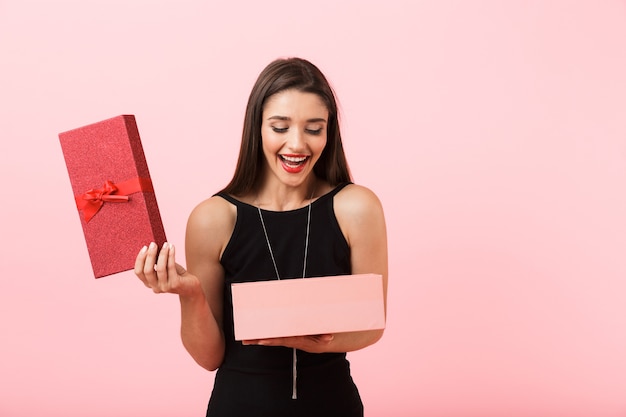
(296, 142)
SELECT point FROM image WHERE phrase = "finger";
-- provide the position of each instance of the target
(172, 270)
(139, 262)
(148, 266)
(180, 270)
(324, 338)
(277, 341)
(161, 268)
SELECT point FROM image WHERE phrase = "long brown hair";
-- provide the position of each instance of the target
(280, 75)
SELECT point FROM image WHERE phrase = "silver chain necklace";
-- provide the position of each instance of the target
(294, 393)
(306, 241)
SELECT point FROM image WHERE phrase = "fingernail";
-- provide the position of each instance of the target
(165, 245)
(152, 245)
(145, 248)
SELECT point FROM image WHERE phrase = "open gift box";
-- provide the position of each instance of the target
(113, 192)
(308, 306)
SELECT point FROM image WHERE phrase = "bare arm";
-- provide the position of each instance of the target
(199, 288)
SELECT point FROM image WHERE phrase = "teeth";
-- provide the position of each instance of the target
(294, 159)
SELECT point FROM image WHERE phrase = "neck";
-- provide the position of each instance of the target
(281, 197)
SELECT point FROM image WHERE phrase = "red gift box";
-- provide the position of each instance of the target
(113, 192)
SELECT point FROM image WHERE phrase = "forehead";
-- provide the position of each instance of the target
(294, 103)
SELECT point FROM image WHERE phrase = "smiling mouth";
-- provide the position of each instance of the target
(293, 161)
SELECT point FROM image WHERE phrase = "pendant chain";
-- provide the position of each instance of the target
(306, 241)
(294, 394)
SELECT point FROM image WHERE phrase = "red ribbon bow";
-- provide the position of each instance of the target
(92, 201)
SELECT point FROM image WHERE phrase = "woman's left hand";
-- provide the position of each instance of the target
(312, 344)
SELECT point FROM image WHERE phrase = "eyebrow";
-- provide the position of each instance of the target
(285, 118)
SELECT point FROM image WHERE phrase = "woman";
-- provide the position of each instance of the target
(290, 211)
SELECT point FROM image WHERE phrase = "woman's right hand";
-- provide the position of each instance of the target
(162, 274)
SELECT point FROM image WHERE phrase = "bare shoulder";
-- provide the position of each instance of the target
(212, 212)
(359, 213)
(357, 200)
(211, 222)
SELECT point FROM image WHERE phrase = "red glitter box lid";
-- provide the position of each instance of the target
(113, 192)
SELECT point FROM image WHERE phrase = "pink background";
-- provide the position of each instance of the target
(494, 133)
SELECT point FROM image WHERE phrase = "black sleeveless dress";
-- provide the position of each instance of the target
(256, 381)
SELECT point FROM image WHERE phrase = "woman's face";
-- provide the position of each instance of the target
(294, 133)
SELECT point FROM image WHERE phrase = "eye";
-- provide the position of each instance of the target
(279, 129)
(314, 131)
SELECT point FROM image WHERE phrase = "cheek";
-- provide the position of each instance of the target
(268, 141)
(320, 145)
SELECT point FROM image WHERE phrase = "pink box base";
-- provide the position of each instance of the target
(309, 306)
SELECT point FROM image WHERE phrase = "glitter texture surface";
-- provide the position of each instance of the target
(111, 150)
